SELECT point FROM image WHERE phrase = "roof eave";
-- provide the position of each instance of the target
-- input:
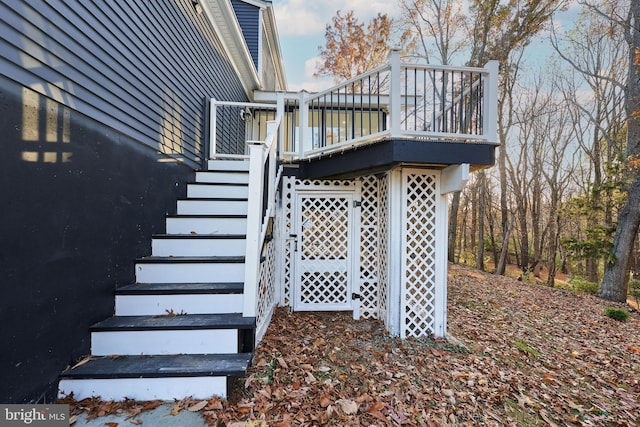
(274, 42)
(222, 17)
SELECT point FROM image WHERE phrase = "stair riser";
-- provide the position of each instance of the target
(211, 207)
(177, 225)
(189, 273)
(222, 177)
(153, 305)
(195, 191)
(228, 165)
(197, 341)
(144, 389)
(198, 247)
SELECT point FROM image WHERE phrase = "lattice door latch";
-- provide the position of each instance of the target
(357, 203)
(295, 241)
(355, 296)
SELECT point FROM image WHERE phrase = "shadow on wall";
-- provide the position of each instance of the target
(79, 204)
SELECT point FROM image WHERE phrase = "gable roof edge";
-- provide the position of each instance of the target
(223, 19)
(274, 43)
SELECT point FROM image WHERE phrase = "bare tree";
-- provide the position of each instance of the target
(608, 65)
(615, 282)
(436, 27)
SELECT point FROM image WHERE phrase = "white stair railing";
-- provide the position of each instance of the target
(263, 179)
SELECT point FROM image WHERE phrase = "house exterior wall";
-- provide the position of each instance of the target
(102, 108)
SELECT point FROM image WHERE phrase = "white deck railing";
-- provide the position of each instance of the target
(397, 101)
(394, 101)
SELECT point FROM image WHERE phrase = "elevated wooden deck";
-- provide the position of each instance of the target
(397, 113)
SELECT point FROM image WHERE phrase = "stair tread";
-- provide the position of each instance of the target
(214, 199)
(199, 236)
(190, 259)
(218, 184)
(225, 171)
(231, 216)
(181, 365)
(180, 288)
(179, 322)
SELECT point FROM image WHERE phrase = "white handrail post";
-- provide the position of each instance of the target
(395, 100)
(304, 124)
(272, 130)
(280, 113)
(490, 113)
(254, 223)
(212, 128)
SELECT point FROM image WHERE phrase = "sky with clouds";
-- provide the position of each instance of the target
(301, 25)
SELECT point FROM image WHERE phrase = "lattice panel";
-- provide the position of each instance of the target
(369, 259)
(287, 215)
(266, 288)
(326, 287)
(419, 249)
(324, 250)
(325, 228)
(309, 184)
(290, 184)
(383, 247)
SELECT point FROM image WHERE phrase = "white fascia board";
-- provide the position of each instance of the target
(273, 40)
(272, 97)
(223, 19)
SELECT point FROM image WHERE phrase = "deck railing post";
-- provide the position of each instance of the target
(212, 128)
(281, 129)
(254, 223)
(395, 94)
(304, 124)
(272, 129)
(490, 124)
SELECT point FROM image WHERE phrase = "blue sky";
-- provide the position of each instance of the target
(301, 25)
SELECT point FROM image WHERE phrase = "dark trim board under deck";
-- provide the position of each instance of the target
(383, 155)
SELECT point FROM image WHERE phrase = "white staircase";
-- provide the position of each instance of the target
(179, 330)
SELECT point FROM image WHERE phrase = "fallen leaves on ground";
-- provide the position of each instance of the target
(522, 355)
(519, 355)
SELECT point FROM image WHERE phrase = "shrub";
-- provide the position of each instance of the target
(634, 288)
(581, 285)
(618, 314)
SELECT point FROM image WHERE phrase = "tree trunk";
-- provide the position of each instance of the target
(553, 247)
(592, 270)
(504, 253)
(481, 211)
(615, 282)
(453, 226)
(524, 238)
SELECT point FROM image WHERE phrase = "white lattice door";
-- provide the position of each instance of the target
(325, 251)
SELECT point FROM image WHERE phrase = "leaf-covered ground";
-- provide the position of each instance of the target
(523, 355)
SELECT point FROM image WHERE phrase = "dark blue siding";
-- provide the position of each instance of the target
(249, 20)
(102, 117)
(142, 68)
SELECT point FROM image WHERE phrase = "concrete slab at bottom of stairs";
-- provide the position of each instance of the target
(157, 417)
